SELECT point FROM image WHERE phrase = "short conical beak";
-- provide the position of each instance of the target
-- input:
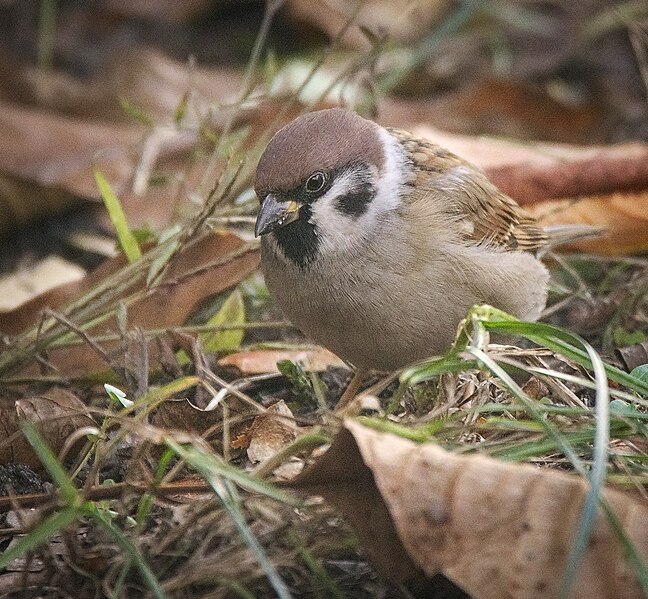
(274, 215)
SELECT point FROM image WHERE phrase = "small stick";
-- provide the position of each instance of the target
(352, 388)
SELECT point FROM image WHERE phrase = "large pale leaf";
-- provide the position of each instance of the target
(494, 528)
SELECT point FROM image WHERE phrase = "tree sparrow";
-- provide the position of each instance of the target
(376, 243)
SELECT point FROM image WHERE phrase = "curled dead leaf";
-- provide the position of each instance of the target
(57, 414)
(265, 361)
(496, 529)
(271, 431)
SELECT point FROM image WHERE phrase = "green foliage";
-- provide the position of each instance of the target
(623, 337)
(232, 312)
(309, 388)
(221, 477)
(296, 376)
(469, 346)
(640, 373)
(74, 509)
(136, 113)
(127, 240)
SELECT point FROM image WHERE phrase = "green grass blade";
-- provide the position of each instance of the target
(423, 372)
(316, 568)
(530, 405)
(46, 34)
(209, 466)
(236, 587)
(565, 343)
(597, 474)
(146, 502)
(129, 549)
(40, 533)
(464, 12)
(231, 312)
(69, 492)
(126, 239)
(221, 477)
(231, 500)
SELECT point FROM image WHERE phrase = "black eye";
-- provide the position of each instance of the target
(316, 182)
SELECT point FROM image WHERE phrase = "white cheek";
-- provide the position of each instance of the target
(338, 232)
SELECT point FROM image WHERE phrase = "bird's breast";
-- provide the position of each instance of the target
(370, 313)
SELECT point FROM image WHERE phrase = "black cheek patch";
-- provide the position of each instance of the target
(356, 202)
(298, 240)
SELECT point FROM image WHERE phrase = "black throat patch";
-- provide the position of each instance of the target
(298, 240)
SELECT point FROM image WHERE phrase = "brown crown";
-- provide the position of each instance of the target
(322, 140)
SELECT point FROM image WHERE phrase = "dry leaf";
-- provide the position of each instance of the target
(271, 431)
(501, 107)
(210, 265)
(28, 136)
(403, 20)
(533, 172)
(86, 123)
(147, 79)
(26, 283)
(57, 414)
(181, 414)
(623, 214)
(495, 529)
(265, 361)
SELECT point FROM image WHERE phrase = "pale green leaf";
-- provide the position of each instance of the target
(232, 312)
(126, 239)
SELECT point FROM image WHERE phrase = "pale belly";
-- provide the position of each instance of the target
(390, 316)
(375, 322)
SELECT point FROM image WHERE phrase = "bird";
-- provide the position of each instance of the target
(376, 242)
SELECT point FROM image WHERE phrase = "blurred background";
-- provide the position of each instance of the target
(154, 94)
(166, 106)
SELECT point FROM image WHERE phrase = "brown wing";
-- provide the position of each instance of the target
(487, 216)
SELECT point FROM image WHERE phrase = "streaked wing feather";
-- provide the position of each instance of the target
(490, 217)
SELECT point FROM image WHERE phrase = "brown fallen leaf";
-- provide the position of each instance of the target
(633, 355)
(181, 414)
(211, 264)
(87, 124)
(25, 283)
(501, 107)
(532, 172)
(623, 214)
(403, 20)
(145, 78)
(57, 414)
(265, 361)
(61, 178)
(28, 136)
(271, 431)
(496, 529)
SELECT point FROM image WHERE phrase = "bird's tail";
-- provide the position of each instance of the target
(561, 234)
